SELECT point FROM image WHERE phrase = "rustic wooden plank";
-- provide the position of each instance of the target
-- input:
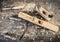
(38, 21)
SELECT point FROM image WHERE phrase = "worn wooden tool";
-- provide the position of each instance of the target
(44, 13)
(38, 21)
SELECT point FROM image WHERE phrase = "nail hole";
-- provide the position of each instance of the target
(39, 22)
(50, 16)
(44, 12)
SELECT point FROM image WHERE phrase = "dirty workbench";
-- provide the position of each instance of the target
(13, 26)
